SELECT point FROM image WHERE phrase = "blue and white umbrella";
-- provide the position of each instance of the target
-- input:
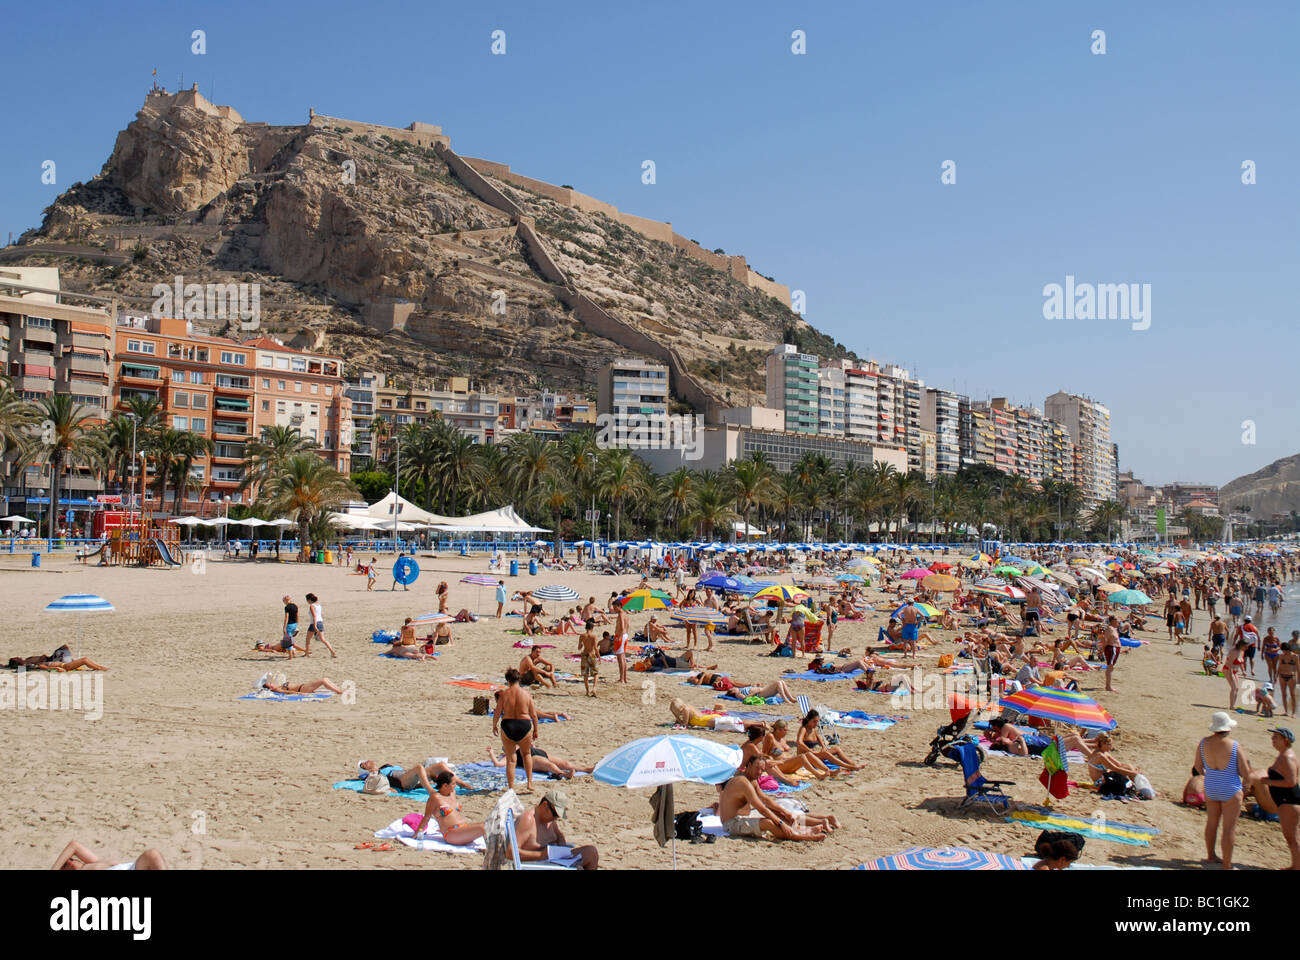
(656, 761)
(557, 592)
(79, 603)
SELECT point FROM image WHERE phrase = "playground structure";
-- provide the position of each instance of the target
(141, 541)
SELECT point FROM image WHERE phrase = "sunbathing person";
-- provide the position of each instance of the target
(67, 666)
(745, 812)
(591, 612)
(741, 691)
(809, 741)
(444, 807)
(655, 632)
(688, 716)
(408, 778)
(535, 669)
(659, 660)
(882, 684)
(553, 767)
(541, 714)
(819, 665)
(307, 686)
(60, 658)
(786, 758)
(78, 857)
(1006, 736)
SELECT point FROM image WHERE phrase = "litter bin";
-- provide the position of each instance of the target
(36, 559)
(320, 556)
(463, 551)
(329, 556)
(514, 568)
(532, 566)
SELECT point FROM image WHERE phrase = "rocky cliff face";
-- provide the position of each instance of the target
(334, 221)
(1272, 490)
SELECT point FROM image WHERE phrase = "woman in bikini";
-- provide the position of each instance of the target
(443, 594)
(1222, 762)
(553, 767)
(785, 758)
(444, 807)
(75, 856)
(1288, 667)
(1277, 790)
(1272, 648)
(408, 778)
(1102, 767)
(306, 686)
(809, 741)
(740, 691)
(1234, 670)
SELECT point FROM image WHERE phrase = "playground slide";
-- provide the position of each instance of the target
(96, 553)
(166, 554)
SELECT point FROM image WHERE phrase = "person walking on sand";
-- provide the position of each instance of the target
(622, 636)
(370, 575)
(1110, 647)
(590, 659)
(515, 721)
(1222, 762)
(316, 625)
(290, 627)
(501, 597)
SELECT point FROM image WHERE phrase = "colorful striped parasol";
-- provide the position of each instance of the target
(699, 615)
(1065, 706)
(639, 600)
(945, 858)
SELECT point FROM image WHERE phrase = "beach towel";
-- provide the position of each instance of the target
(472, 684)
(404, 832)
(734, 695)
(858, 720)
(268, 695)
(821, 677)
(1040, 818)
(782, 788)
(711, 823)
(429, 656)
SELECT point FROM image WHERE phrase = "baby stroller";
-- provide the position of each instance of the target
(960, 709)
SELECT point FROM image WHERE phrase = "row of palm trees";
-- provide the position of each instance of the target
(560, 479)
(281, 465)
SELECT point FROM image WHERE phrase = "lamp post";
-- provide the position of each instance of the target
(225, 502)
(397, 482)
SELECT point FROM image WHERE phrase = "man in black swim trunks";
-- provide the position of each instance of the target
(515, 721)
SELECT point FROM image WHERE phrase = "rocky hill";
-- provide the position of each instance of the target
(1272, 490)
(378, 244)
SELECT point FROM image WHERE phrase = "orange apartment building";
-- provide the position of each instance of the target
(303, 390)
(203, 384)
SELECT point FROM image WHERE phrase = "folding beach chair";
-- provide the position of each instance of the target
(514, 850)
(828, 733)
(978, 788)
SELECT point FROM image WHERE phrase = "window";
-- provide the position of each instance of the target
(232, 358)
(282, 385)
(196, 376)
(135, 346)
(297, 386)
(42, 323)
(315, 388)
(266, 360)
(312, 433)
(298, 365)
(201, 354)
(266, 384)
(174, 350)
(197, 471)
(282, 363)
(279, 406)
(198, 424)
(315, 410)
(181, 423)
(266, 404)
(199, 401)
(180, 399)
(329, 391)
(178, 376)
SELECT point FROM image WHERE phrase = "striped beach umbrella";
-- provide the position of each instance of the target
(980, 557)
(655, 761)
(699, 615)
(1065, 706)
(431, 619)
(557, 592)
(927, 611)
(996, 588)
(480, 579)
(788, 594)
(945, 858)
(639, 600)
(850, 578)
(79, 603)
(941, 582)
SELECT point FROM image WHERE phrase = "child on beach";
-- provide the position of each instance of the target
(370, 574)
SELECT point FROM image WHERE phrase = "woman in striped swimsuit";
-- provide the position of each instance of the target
(1223, 764)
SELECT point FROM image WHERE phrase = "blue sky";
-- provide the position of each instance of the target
(824, 168)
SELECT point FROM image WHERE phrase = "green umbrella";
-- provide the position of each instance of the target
(1005, 571)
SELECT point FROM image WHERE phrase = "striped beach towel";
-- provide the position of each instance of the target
(1040, 818)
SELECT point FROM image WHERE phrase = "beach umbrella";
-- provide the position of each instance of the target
(17, 518)
(945, 858)
(79, 603)
(557, 592)
(916, 573)
(1129, 598)
(1035, 570)
(431, 619)
(939, 566)
(1006, 570)
(980, 557)
(821, 581)
(655, 761)
(639, 600)
(1064, 706)
(1063, 577)
(971, 564)
(1109, 588)
(718, 581)
(1091, 574)
(996, 588)
(780, 590)
(480, 579)
(927, 611)
(867, 567)
(941, 582)
(849, 578)
(699, 615)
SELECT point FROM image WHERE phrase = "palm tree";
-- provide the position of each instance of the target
(307, 487)
(621, 480)
(751, 481)
(192, 446)
(1104, 516)
(552, 494)
(868, 497)
(788, 496)
(166, 446)
(17, 417)
(903, 488)
(675, 488)
(711, 504)
(459, 466)
(66, 439)
(528, 458)
(264, 456)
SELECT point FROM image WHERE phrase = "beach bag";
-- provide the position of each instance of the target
(376, 784)
(1142, 787)
(687, 825)
(945, 660)
(481, 705)
(1113, 785)
(784, 650)
(729, 725)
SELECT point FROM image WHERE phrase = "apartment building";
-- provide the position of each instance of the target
(203, 385)
(301, 390)
(362, 394)
(831, 398)
(1088, 424)
(46, 347)
(634, 387)
(566, 411)
(793, 387)
(941, 415)
(460, 403)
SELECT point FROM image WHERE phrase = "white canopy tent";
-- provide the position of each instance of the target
(501, 520)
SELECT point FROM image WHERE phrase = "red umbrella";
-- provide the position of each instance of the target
(940, 565)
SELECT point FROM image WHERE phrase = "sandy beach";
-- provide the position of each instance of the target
(177, 762)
